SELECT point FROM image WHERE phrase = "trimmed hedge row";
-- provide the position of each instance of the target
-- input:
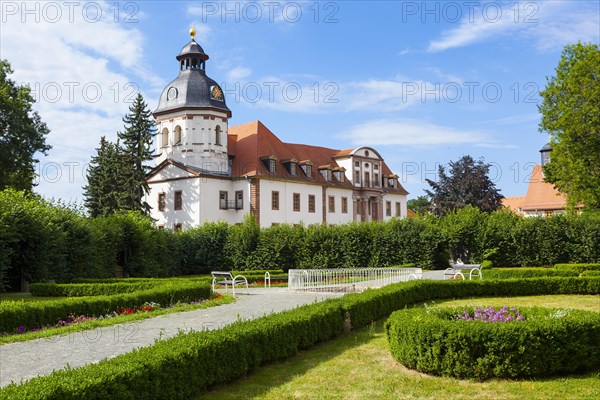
(38, 313)
(578, 267)
(90, 289)
(508, 273)
(548, 342)
(178, 368)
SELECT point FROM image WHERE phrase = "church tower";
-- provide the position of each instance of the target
(192, 117)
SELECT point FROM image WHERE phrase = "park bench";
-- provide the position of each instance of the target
(456, 269)
(225, 278)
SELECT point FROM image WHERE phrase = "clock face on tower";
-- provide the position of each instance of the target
(172, 94)
(216, 93)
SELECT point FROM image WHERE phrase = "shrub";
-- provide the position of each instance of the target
(178, 368)
(38, 313)
(548, 342)
(579, 268)
(487, 265)
(90, 289)
(508, 273)
(590, 273)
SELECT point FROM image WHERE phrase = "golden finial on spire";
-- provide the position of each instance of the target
(193, 32)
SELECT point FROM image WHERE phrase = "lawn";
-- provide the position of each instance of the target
(359, 366)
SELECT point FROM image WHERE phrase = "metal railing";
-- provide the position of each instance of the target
(348, 279)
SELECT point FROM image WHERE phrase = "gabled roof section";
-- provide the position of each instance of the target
(161, 169)
(254, 141)
(542, 195)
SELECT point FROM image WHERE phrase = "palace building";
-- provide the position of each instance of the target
(209, 171)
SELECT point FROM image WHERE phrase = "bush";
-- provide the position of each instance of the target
(579, 268)
(38, 313)
(508, 273)
(90, 289)
(590, 273)
(178, 368)
(487, 265)
(547, 342)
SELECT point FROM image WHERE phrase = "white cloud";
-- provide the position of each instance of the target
(549, 25)
(83, 75)
(238, 73)
(412, 133)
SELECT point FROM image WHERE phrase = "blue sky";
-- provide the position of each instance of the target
(422, 82)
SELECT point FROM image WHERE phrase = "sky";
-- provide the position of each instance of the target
(424, 83)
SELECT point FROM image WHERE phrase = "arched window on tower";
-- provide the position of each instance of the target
(187, 63)
(194, 63)
(177, 135)
(182, 65)
(218, 135)
(164, 138)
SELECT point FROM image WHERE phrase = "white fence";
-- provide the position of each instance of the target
(348, 279)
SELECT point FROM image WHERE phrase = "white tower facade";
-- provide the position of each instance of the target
(192, 116)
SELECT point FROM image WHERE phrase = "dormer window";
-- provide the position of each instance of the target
(339, 174)
(307, 168)
(326, 172)
(269, 163)
(290, 165)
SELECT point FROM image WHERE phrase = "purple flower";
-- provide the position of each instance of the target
(21, 329)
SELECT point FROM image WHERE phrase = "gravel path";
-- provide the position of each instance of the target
(25, 360)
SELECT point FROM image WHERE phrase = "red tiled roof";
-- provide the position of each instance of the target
(254, 141)
(514, 203)
(542, 195)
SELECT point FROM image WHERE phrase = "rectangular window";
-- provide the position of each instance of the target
(272, 166)
(178, 200)
(177, 227)
(357, 164)
(398, 212)
(293, 169)
(223, 197)
(274, 200)
(376, 167)
(357, 177)
(162, 201)
(344, 205)
(239, 200)
(296, 201)
(161, 227)
(358, 207)
(331, 204)
(376, 180)
(367, 182)
(388, 208)
(311, 203)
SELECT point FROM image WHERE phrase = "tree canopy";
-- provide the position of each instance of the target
(467, 183)
(116, 176)
(570, 111)
(22, 133)
(420, 205)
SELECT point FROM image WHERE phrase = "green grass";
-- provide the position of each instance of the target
(360, 366)
(121, 319)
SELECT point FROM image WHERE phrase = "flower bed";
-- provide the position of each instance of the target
(492, 343)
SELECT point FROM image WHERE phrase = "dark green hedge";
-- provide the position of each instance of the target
(90, 289)
(579, 268)
(37, 313)
(548, 342)
(507, 273)
(42, 241)
(180, 367)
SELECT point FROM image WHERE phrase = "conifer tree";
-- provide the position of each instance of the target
(137, 148)
(106, 189)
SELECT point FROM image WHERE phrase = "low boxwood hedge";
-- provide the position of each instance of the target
(547, 342)
(180, 367)
(90, 289)
(38, 313)
(578, 267)
(507, 273)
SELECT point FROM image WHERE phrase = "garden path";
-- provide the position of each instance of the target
(25, 360)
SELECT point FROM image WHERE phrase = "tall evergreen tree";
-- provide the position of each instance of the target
(137, 147)
(468, 183)
(22, 133)
(105, 192)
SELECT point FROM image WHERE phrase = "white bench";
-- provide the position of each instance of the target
(456, 270)
(225, 278)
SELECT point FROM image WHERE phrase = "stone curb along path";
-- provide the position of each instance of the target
(25, 360)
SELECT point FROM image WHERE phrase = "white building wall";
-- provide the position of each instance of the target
(188, 216)
(338, 217)
(209, 203)
(395, 198)
(286, 213)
